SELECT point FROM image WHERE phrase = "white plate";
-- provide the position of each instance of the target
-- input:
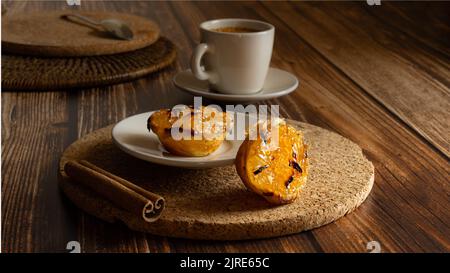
(132, 136)
(278, 83)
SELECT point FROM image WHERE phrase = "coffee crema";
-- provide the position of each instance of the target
(235, 29)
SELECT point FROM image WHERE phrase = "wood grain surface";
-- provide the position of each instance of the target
(378, 75)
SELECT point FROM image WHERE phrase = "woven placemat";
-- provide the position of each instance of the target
(48, 34)
(33, 73)
(214, 204)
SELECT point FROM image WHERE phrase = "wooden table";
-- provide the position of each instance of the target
(378, 75)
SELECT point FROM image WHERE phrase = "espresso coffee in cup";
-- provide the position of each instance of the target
(234, 55)
(235, 29)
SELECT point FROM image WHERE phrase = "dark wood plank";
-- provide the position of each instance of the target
(408, 79)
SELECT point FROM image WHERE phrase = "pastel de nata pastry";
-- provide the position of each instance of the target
(201, 131)
(275, 172)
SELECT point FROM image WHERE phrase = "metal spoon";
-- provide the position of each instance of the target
(116, 27)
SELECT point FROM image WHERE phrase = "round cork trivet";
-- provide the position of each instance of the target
(34, 73)
(49, 34)
(214, 204)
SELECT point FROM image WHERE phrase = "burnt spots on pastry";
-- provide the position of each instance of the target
(180, 130)
(296, 166)
(305, 154)
(289, 181)
(260, 169)
(294, 155)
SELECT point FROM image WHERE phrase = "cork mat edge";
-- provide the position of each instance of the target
(196, 229)
(167, 60)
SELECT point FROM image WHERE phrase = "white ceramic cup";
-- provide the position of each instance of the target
(234, 62)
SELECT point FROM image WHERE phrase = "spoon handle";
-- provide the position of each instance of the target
(85, 19)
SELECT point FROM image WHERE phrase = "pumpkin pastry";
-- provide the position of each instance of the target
(186, 131)
(276, 171)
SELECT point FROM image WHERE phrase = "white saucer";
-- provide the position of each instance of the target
(132, 136)
(278, 83)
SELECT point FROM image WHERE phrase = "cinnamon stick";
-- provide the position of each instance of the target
(117, 190)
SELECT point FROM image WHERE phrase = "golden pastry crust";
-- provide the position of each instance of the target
(205, 127)
(277, 173)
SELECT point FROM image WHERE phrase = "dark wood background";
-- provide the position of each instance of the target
(378, 75)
